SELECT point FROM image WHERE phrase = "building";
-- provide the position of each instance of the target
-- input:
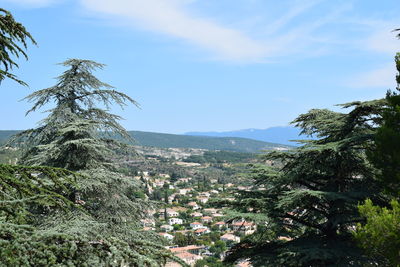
(210, 211)
(167, 236)
(196, 214)
(202, 199)
(170, 212)
(220, 224)
(206, 219)
(172, 221)
(148, 222)
(244, 227)
(188, 257)
(166, 227)
(193, 205)
(202, 231)
(230, 238)
(196, 225)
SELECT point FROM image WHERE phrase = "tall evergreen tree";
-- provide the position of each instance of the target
(75, 136)
(310, 201)
(13, 43)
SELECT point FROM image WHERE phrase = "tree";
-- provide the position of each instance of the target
(310, 202)
(13, 43)
(77, 136)
(385, 153)
(379, 236)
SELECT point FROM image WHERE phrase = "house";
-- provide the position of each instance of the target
(183, 191)
(167, 236)
(172, 221)
(216, 215)
(206, 219)
(191, 248)
(202, 231)
(202, 199)
(210, 211)
(170, 213)
(220, 224)
(193, 205)
(166, 227)
(204, 194)
(184, 180)
(188, 257)
(230, 238)
(148, 222)
(196, 225)
(244, 227)
(196, 214)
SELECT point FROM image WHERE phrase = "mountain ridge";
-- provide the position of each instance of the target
(278, 134)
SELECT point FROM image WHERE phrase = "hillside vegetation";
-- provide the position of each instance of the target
(183, 141)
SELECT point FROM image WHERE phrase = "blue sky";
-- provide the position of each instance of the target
(206, 65)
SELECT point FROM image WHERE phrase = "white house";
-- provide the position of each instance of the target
(196, 225)
(193, 205)
(167, 236)
(166, 227)
(172, 221)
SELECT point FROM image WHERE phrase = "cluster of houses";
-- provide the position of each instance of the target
(195, 217)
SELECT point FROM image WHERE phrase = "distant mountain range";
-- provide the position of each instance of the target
(163, 140)
(280, 135)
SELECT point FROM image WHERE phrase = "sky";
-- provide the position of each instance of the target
(206, 65)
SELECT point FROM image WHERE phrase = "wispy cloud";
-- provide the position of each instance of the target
(172, 18)
(383, 77)
(298, 31)
(281, 36)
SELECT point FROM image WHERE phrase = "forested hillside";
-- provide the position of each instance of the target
(182, 141)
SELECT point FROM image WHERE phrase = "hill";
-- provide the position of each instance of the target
(280, 135)
(185, 141)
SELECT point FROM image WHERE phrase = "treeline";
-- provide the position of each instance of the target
(221, 157)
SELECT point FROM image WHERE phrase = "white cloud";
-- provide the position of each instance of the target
(281, 37)
(383, 77)
(172, 18)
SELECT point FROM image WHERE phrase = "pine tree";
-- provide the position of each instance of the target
(13, 42)
(309, 203)
(76, 136)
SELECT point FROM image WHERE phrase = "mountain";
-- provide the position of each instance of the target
(185, 141)
(280, 135)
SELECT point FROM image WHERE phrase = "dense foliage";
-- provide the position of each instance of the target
(74, 137)
(311, 200)
(380, 235)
